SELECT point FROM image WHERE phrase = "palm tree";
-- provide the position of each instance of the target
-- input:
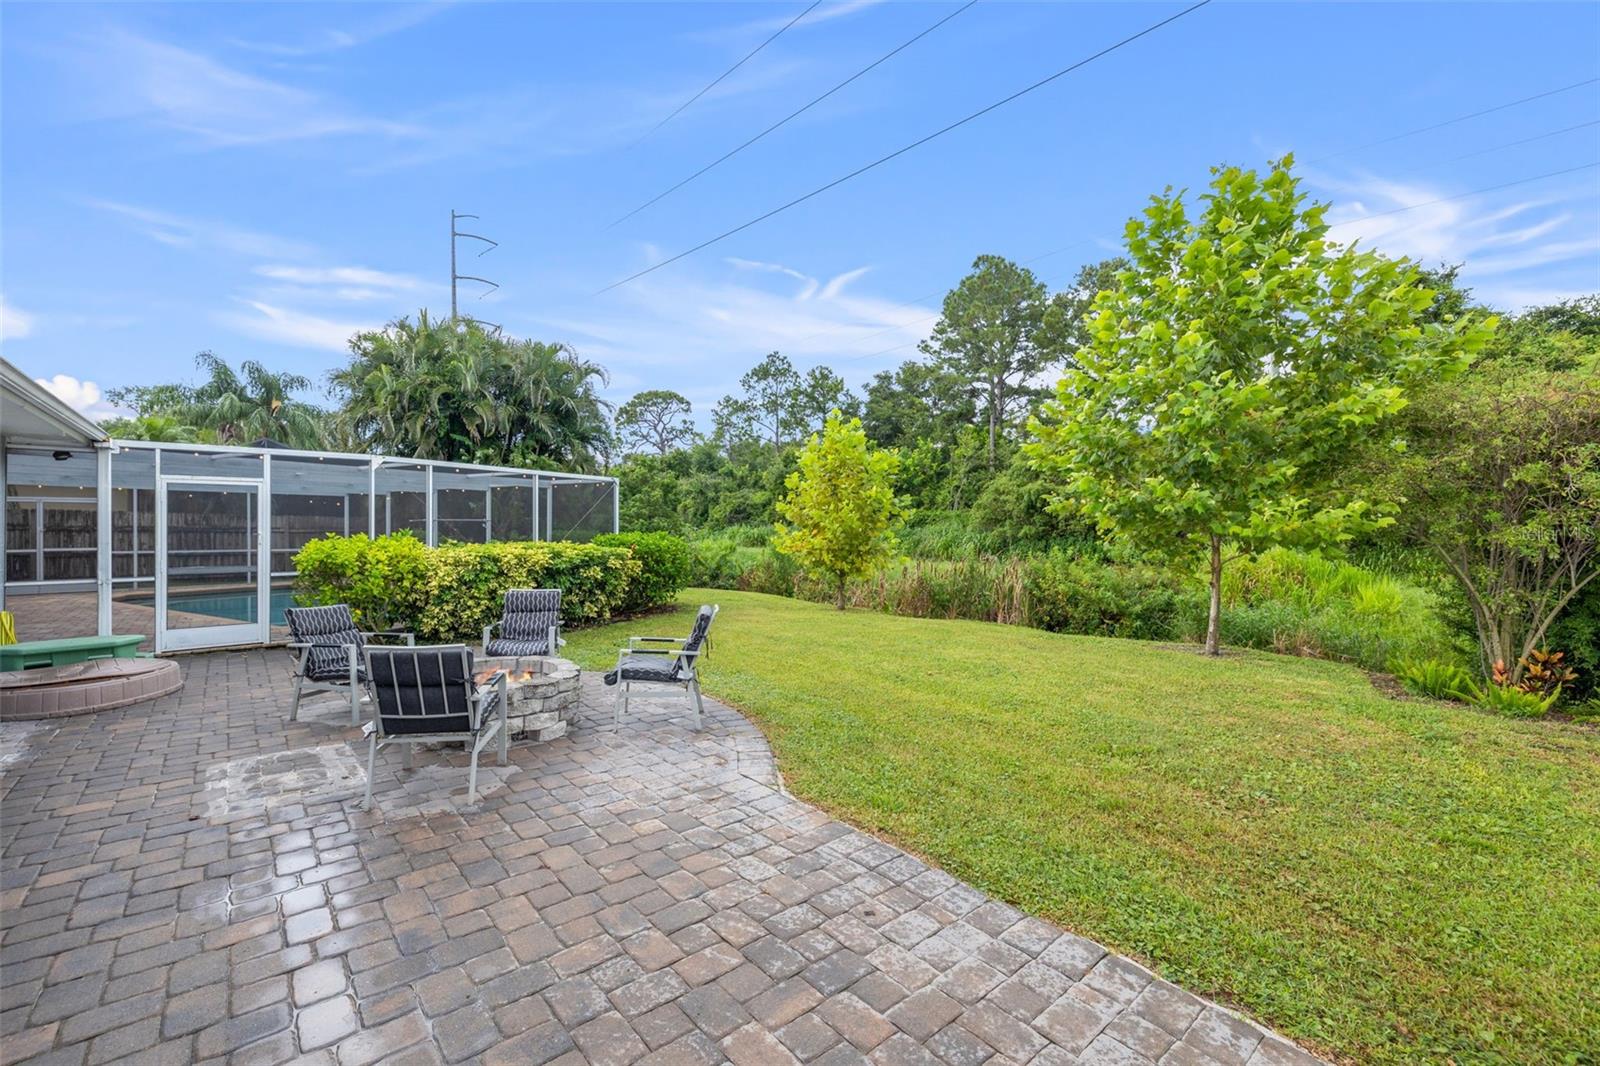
(453, 389)
(256, 403)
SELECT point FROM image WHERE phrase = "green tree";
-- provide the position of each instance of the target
(822, 391)
(655, 420)
(772, 407)
(228, 407)
(254, 403)
(926, 412)
(989, 334)
(1451, 299)
(158, 427)
(1065, 328)
(1240, 358)
(441, 389)
(1501, 483)
(1579, 316)
(839, 505)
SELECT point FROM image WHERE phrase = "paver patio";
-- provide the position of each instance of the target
(189, 881)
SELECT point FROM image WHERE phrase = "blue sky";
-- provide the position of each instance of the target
(263, 180)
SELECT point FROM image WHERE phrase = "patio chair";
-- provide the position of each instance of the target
(427, 695)
(326, 648)
(530, 624)
(673, 662)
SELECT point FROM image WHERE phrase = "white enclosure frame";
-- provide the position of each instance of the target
(295, 473)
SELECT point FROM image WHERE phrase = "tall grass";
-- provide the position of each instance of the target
(1303, 604)
(950, 535)
(1286, 601)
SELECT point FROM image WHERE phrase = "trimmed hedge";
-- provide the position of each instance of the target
(467, 583)
(665, 561)
(384, 580)
(451, 592)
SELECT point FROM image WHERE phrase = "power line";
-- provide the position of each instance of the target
(914, 144)
(1464, 195)
(718, 79)
(916, 301)
(1525, 140)
(1453, 121)
(1363, 218)
(792, 115)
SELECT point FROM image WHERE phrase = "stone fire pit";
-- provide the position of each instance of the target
(541, 690)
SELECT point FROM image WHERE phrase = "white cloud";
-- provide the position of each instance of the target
(120, 75)
(1539, 256)
(342, 284)
(82, 396)
(179, 231)
(129, 76)
(837, 283)
(699, 332)
(337, 39)
(297, 328)
(1517, 298)
(339, 276)
(809, 283)
(278, 307)
(1491, 236)
(15, 323)
(748, 33)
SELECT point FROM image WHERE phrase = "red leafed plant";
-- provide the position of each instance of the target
(1543, 672)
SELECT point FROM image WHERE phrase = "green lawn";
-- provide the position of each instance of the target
(1387, 881)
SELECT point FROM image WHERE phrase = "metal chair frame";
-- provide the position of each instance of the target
(300, 655)
(479, 732)
(688, 659)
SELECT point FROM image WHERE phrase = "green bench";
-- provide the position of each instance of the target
(67, 650)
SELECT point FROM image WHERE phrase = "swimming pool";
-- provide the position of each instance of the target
(224, 606)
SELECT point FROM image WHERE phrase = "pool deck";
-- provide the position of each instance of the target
(52, 615)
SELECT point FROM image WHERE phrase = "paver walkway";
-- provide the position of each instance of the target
(188, 881)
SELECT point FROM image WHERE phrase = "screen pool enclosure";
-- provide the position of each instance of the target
(193, 545)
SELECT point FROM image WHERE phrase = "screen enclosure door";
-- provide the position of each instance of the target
(212, 586)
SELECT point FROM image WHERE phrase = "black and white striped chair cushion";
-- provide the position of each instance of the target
(501, 647)
(645, 668)
(526, 621)
(325, 626)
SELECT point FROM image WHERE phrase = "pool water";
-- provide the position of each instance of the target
(225, 606)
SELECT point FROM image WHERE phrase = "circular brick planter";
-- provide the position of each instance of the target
(541, 690)
(83, 688)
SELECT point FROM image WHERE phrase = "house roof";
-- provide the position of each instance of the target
(30, 414)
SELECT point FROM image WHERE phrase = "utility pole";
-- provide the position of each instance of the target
(456, 234)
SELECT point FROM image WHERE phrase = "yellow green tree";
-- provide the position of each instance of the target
(840, 506)
(1229, 373)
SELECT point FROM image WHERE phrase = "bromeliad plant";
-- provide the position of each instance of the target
(1507, 700)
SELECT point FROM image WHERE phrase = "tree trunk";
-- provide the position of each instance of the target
(1214, 625)
(991, 434)
(838, 593)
